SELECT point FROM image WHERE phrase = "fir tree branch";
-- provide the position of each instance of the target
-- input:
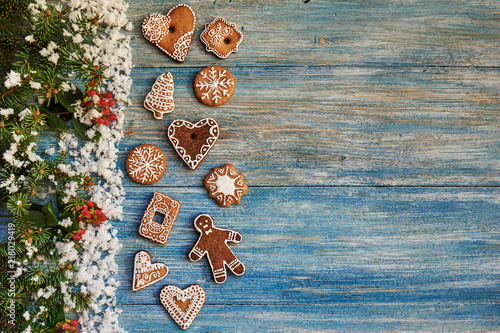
(11, 90)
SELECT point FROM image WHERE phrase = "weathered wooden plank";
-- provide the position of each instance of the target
(356, 317)
(331, 259)
(327, 244)
(332, 33)
(336, 126)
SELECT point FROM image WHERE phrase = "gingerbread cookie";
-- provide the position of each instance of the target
(183, 305)
(146, 164)
(214, 85)
(160, 100)
(162, 204)
(172, 33)
(146, 273)
(193, 141)
(213, 242)
(221, 37)
(225, 185)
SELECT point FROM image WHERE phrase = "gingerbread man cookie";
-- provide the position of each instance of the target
(162, 204)
(160, 100)
(145, 272)
(225, 185)
(221, 37)
(213, 243)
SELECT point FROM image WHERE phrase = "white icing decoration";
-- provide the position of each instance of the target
(155, 26)
(218, 34)
(213, 37)
(145, 272)
(181, 46)
(153, 230)
(160, 99)
(195, 294)
(147, 163)
(205, 149)
(225, 185)
(215, 83)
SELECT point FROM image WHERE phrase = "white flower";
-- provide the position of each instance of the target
(29, 39)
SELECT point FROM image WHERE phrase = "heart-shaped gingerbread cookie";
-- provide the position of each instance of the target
(171, 33)
(182, 304)
(145, 272)
(193, 141)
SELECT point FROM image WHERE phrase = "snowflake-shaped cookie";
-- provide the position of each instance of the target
(221, 37)
(214, 85)
(146, 164)
(225, 185)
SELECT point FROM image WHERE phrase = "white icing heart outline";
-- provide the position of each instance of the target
(204, 150)
(194, 292)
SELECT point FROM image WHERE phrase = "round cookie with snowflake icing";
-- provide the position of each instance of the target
(214, 85)
(146, 164)
(225, 185)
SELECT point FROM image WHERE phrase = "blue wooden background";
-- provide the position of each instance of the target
(369, 135)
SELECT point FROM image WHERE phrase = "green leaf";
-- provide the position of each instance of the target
(68, 98)
(54, 121)
(48, 208)
(35, 206)
(37, 218)
(82, 128)
(50, 215)
(59, 316)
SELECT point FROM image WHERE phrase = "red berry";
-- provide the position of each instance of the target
(97, 222)
(105, 111)
(88, 104)
(66, 327)
(74, 322)
(102, 218)
(92, 82)
(106, 122)
(112, 117)
(92, 93)
(77, 237)
(108, 95)
(111, 102)
(80, 232)
(100, 120)
(90, 204)
(79, 219)
(102, 102)
(97, 212)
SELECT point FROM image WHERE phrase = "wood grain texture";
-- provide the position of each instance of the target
(369, 135)
(337, 126)
(330, 259)
(333, 33)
